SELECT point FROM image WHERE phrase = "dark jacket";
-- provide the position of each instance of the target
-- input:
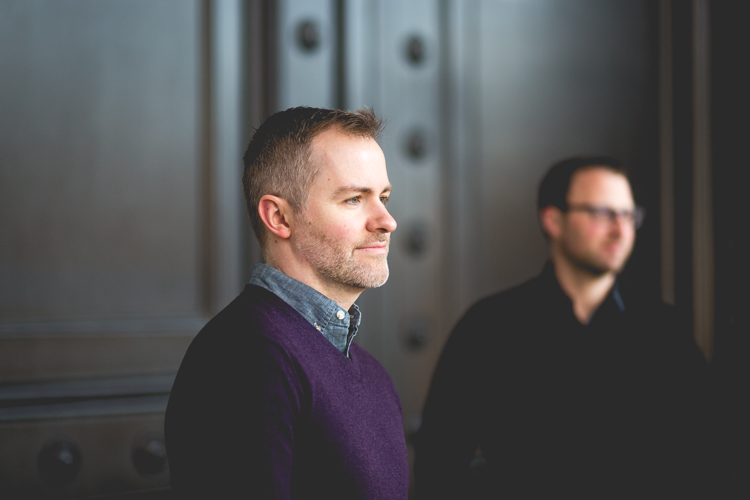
(526, 402)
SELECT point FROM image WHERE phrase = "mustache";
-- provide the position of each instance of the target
(376, 239)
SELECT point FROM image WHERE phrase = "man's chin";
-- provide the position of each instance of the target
(600, 268)
(377, 282)
(617, 267)
(365, 278)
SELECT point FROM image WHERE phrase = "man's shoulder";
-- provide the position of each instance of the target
(513, 299)
(487, 320)
(256, 309)
(656, 318)
(255, 320)
(645, 307)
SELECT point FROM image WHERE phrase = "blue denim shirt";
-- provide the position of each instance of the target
(336, 324)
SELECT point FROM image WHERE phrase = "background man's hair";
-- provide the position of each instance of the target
(278, 158)
(553, 190)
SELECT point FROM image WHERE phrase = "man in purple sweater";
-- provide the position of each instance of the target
(273, 400)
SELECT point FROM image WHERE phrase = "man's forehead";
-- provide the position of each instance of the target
(331, 147)
(599, 184)
(348, 163)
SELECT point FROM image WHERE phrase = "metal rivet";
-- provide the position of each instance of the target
(416, 145)
(417, 239)
(308, 36)
(59, 463)
(416, 50)
(150, 454)
(417, 333)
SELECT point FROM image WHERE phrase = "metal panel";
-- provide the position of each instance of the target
(99, 195)
(307, 41)
(102, 211)
(120, 223)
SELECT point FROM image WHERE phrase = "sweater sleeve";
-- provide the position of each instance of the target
(233, 422)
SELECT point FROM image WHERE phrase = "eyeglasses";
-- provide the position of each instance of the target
(602, 215)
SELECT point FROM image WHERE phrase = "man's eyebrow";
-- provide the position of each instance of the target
(359, 189)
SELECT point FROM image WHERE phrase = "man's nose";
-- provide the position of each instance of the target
(619, 223)
(381, 220)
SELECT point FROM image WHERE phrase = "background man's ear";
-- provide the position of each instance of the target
(552, 219)
(275, 213)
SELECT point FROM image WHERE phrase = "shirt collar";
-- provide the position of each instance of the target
(330, 319)
(614, 295)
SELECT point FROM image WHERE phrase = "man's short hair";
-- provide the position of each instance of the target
(553, 190)
(278, 158)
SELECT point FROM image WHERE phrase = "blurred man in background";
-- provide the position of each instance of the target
(563, 386)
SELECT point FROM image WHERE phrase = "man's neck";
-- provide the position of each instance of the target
(343, 295)
(585, 289)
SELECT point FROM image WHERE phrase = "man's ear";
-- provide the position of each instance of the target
(552, 220)
(275, 213)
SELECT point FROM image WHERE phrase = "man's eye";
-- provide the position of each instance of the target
(385, 199)
(355, 200)
(603, 213)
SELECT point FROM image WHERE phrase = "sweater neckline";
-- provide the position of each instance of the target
(350, 364)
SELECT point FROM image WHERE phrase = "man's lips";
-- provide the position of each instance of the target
(614, 244)
(377, 248)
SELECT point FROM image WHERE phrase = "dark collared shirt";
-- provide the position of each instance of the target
(336, 324)
(611, 409)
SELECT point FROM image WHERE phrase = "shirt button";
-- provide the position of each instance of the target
(340, 314)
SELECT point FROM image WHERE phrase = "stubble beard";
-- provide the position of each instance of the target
(594, 264)
(336, 262)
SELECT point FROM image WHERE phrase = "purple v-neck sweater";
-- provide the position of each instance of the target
(264, 406)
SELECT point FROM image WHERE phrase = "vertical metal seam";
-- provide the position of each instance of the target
(703, 254)
(339, 69)
(666, 153)
(448, 166)
(271, 29)
(455, 153)
(207, 212)
(226, 88)
(255, 72)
